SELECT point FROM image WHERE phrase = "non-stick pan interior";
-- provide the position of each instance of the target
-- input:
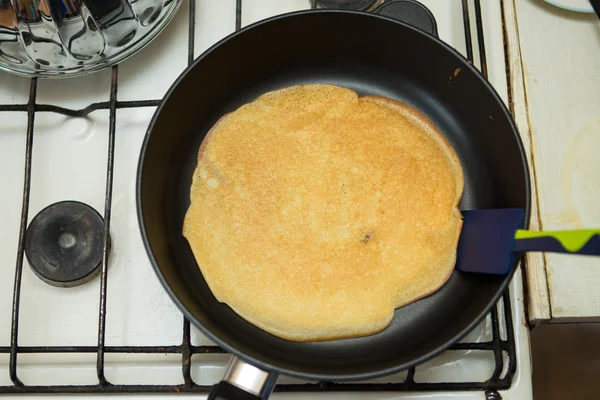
(371, 55)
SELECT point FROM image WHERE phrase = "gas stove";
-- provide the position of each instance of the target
(113, 329)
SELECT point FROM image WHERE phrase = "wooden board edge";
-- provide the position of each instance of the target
(536, 288)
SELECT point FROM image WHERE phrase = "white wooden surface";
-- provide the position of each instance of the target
(559, 113)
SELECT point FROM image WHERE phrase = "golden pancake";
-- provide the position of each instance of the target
(315, 213)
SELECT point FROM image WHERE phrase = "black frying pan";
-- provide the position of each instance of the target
(372, 55)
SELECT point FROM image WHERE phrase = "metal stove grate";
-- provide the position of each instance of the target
(498, 346)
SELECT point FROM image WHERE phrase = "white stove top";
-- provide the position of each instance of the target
(69, 162)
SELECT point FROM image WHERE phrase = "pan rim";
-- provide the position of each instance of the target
(299, 373)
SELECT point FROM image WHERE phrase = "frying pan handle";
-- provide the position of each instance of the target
(412, 12)
(243, 381)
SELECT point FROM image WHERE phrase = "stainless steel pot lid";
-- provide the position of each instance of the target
(63, 38)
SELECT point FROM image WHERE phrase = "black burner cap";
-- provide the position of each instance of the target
(64, 243)
(356, 5)
(411, 12)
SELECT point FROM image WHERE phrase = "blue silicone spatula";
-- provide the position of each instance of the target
(491, 239)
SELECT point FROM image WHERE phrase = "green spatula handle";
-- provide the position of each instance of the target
(584, 241)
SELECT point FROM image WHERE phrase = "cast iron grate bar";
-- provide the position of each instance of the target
(186, 354)
(191, 32)
(410, 377)
(186, 346)
(497, 345)
(107, 213)
(84, 112)
(510, 338)
(292, 388)
(14, 334)
(238, 15)
(480, 38)
(467, 25)
(497, 348)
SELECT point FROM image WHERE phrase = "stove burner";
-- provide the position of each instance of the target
(357, 5)
(64, 243)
